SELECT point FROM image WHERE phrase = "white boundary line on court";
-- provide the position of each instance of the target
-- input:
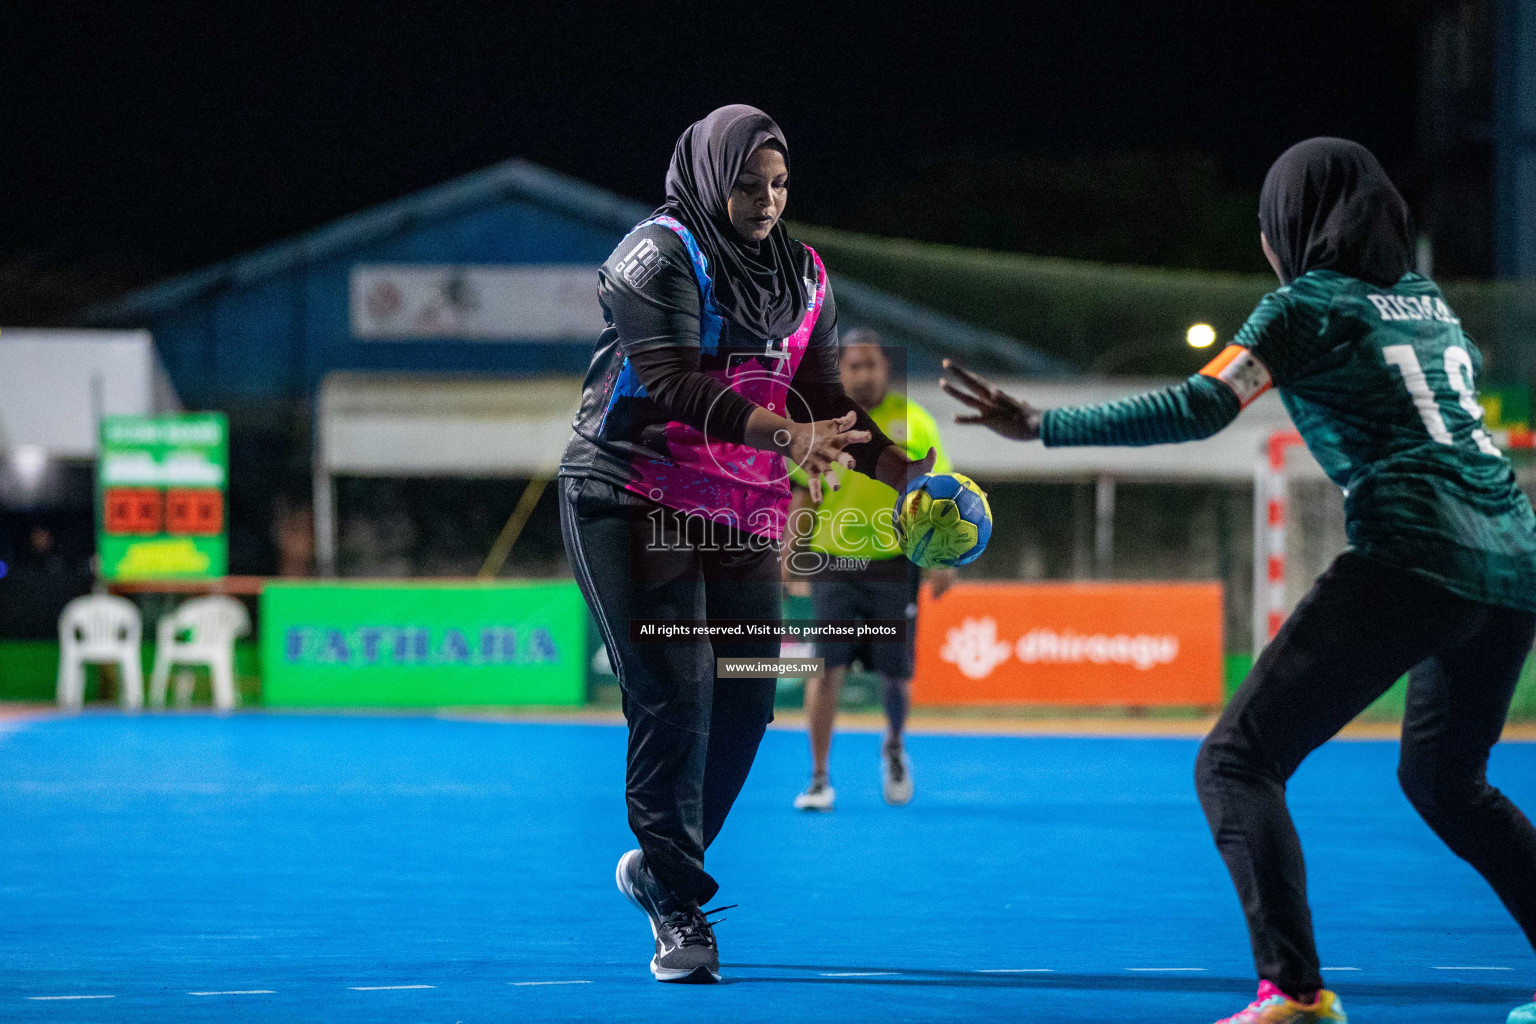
(1026, 726)
(824, 974)
(789, 720)
(1471, 968)
(1164, 970)
(42, 999)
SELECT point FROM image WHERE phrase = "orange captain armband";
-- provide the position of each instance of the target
(1242, 371)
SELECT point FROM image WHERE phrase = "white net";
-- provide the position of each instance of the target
(1314, 521)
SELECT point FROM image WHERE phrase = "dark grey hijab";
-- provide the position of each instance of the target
(1328, 205)
(757, 284)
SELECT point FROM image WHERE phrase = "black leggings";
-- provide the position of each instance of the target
(1359, 629)
(692, 737)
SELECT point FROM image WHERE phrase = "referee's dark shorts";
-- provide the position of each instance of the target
(884, 589)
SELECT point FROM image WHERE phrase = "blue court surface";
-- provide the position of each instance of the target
(362, 868)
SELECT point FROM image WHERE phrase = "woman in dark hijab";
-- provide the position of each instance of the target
(1328, 205)
(1439, 580)
(757, 277)
(720, 360)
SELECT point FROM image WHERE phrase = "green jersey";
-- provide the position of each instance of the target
(855, 519)
(1381, 384)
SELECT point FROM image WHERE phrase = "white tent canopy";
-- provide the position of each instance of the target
(1227, 457)
(434, 426)
(385, 425)
(56, 384)
(401, 426)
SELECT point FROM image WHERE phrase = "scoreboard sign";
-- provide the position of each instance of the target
(161, 486)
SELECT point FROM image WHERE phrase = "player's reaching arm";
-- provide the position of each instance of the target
(1265, 353)
(1195, 409)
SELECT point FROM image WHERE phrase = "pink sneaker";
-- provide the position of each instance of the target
(1275, 1007)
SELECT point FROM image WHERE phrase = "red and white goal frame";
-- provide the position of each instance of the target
(1270, 491)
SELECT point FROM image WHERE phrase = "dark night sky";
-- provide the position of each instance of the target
(176, 138)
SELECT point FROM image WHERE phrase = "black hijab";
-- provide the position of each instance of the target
(1327, 204)
(757, 284)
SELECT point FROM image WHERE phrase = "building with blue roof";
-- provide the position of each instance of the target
(491, 273)
(269, 325)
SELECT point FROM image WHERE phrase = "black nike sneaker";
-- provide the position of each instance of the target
(685, 939)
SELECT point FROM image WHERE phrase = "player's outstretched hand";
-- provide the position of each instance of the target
(817, 447)
(994, 408)
(895, 469)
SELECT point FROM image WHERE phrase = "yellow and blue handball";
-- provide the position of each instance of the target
(943, 520)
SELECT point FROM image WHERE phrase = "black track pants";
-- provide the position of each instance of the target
(1359, 629)
(692, 737)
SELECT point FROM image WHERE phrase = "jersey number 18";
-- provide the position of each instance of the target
(1458, 370)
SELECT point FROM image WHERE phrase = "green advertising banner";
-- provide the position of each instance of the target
(161, 484)
(399, 644)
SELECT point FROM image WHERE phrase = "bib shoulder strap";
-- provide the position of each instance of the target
(711, 320)
(816, 290)
(695, 254)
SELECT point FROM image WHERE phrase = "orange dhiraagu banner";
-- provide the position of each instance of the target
(1141, 644)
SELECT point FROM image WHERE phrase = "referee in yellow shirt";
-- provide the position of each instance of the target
(856, 570)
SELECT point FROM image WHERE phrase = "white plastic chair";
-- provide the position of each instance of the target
(100, 629)
(212, 624)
